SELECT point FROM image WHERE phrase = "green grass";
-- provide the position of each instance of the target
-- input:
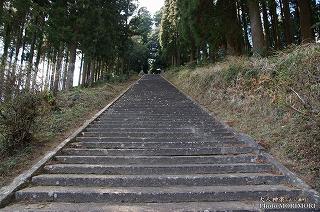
(60, 116)
(264, 97)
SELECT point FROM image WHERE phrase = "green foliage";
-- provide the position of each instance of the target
(231, 74)
(251, 74)
(49, 98)
(141, 24)
(18, 122)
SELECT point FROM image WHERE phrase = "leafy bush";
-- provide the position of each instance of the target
(18, 122)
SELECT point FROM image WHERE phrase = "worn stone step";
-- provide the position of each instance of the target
(141, 130)
(154, 194)
(125, 140)
(233, 206)
(157, 119)
(190, 121)
(146, 103)
(155, 152)
(139, 135)
(183, 121)
(204, 131)
(145, 145)
(158, 169)
(157, 181)
(144, 115)
(180, 108)
(149, 160)
(153, 134)
(155, 115)
(132, 125)
(158, 124)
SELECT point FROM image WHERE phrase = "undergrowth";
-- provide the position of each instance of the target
(275, 99)
(56, 116)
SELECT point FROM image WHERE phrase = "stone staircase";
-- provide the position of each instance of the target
(156, 150)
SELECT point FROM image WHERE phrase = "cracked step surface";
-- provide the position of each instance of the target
(158, 180)
(154, 194)
(157, 169)
(131, 160)
(146, 207)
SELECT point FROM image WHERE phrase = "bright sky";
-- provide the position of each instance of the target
(152, 5)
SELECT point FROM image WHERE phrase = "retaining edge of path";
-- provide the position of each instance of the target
(291, 177)
(7, 192)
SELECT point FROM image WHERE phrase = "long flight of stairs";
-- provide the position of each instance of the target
(155, 150)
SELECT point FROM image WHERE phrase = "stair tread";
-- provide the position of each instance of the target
(154, 165)
(155, 190)
(233, 175)
(157, 157)
(142, 207)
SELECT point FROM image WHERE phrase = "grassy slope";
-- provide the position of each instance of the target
(72, 109)
(264, 98)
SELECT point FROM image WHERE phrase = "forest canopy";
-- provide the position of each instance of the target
(197, 30)
(43, 40)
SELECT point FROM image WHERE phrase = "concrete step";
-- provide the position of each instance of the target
(145, 145)
(155, 125)
(174, 114)
(141, 130)
(155, 134)
(152, 122)
(158, 119)
(204, 131)
(125, 140)
(149, 160)
(158, 152)
(139, 207)
(144, 115)
(140, 135)
(158, 181)
(161, 123)
(158, 169)
(154, 194)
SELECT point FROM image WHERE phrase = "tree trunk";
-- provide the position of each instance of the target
(85, 70)
(58, 71)
(4, 58)
(53, 70)
(72, 63)
(259, 46)
(232, 29)
(65, 71)
(30, 62)
(81, 69)
(47, 79)
(91, 73)
(39, 52)
(287, 21)
(192, 49)
(244, 21)
(21, 74)
(43, 73)
(266, 24)
(306, 20)
(18, 47)
(275, 23)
